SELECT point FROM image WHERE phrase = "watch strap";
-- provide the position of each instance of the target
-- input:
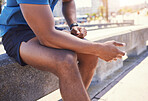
(73, 24)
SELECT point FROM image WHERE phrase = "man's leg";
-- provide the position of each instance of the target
(62, 63)
(87, 65)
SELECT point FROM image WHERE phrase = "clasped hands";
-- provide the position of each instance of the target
(78, 31)
(109, 52)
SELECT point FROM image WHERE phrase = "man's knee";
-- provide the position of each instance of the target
(90, 60)
(68, 63)
(93, 61)
(69, 59)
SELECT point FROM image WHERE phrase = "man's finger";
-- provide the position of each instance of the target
(77, 31)
(119, 44)
(115, 59)
(119, 56)
(83, 31)
(121, 53)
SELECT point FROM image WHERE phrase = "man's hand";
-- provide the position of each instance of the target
(110, 52)
(79, 31)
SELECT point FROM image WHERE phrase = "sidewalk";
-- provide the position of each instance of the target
(2, 51)
(133, 86)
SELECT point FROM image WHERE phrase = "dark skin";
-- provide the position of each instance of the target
(58, 51)
(69, 12)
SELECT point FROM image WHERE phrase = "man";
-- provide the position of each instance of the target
(29, 36)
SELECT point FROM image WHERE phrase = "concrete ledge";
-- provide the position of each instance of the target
(135, 38)
(101, 88)
(29, 84)
(104, 25)
(19, 83)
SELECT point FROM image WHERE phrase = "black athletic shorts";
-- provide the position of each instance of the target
(13, 39)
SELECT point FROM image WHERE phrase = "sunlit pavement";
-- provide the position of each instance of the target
(2, 51)
(133, 86)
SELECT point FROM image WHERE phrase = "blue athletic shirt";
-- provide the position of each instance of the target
(11, 15)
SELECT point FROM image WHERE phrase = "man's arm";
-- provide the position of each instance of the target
(69, 11)
(41, 21)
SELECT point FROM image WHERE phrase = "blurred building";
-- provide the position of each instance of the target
(58, 9)
(81, 10)
(113, 6)
(137, 7)
(92, 9)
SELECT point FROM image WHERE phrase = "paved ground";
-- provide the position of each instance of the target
(133, 87)
(2, 51)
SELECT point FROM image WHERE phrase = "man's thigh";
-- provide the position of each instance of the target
(41, 57)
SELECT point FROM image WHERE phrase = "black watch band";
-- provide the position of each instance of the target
(74, 24)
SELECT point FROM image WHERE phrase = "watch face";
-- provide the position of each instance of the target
(74, 24)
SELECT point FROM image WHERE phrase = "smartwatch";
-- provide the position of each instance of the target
(72, 25)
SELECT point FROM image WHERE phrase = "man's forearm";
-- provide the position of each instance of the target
(69, 11)
(63, 40)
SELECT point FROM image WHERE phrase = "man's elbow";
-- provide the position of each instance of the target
(46, 38)
(43, 41)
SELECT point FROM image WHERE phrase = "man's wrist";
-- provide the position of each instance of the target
(73, 24)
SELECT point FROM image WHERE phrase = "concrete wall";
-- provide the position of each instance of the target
(28, 84)
(135, 40)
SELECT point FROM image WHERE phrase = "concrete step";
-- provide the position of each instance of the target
(133, 87)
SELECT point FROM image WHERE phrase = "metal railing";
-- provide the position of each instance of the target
(105, 25)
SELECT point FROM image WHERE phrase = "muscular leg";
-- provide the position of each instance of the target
(62, 63)
(87, 65)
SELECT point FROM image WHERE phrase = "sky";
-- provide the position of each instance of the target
(83, 3)
(87, 3)
(131, 2)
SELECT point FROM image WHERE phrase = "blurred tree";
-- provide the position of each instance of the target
(125, 10)
(120, 11)
(101, 11)
(0, 6)
(105, 4)
(94, 14)
(2, 2)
